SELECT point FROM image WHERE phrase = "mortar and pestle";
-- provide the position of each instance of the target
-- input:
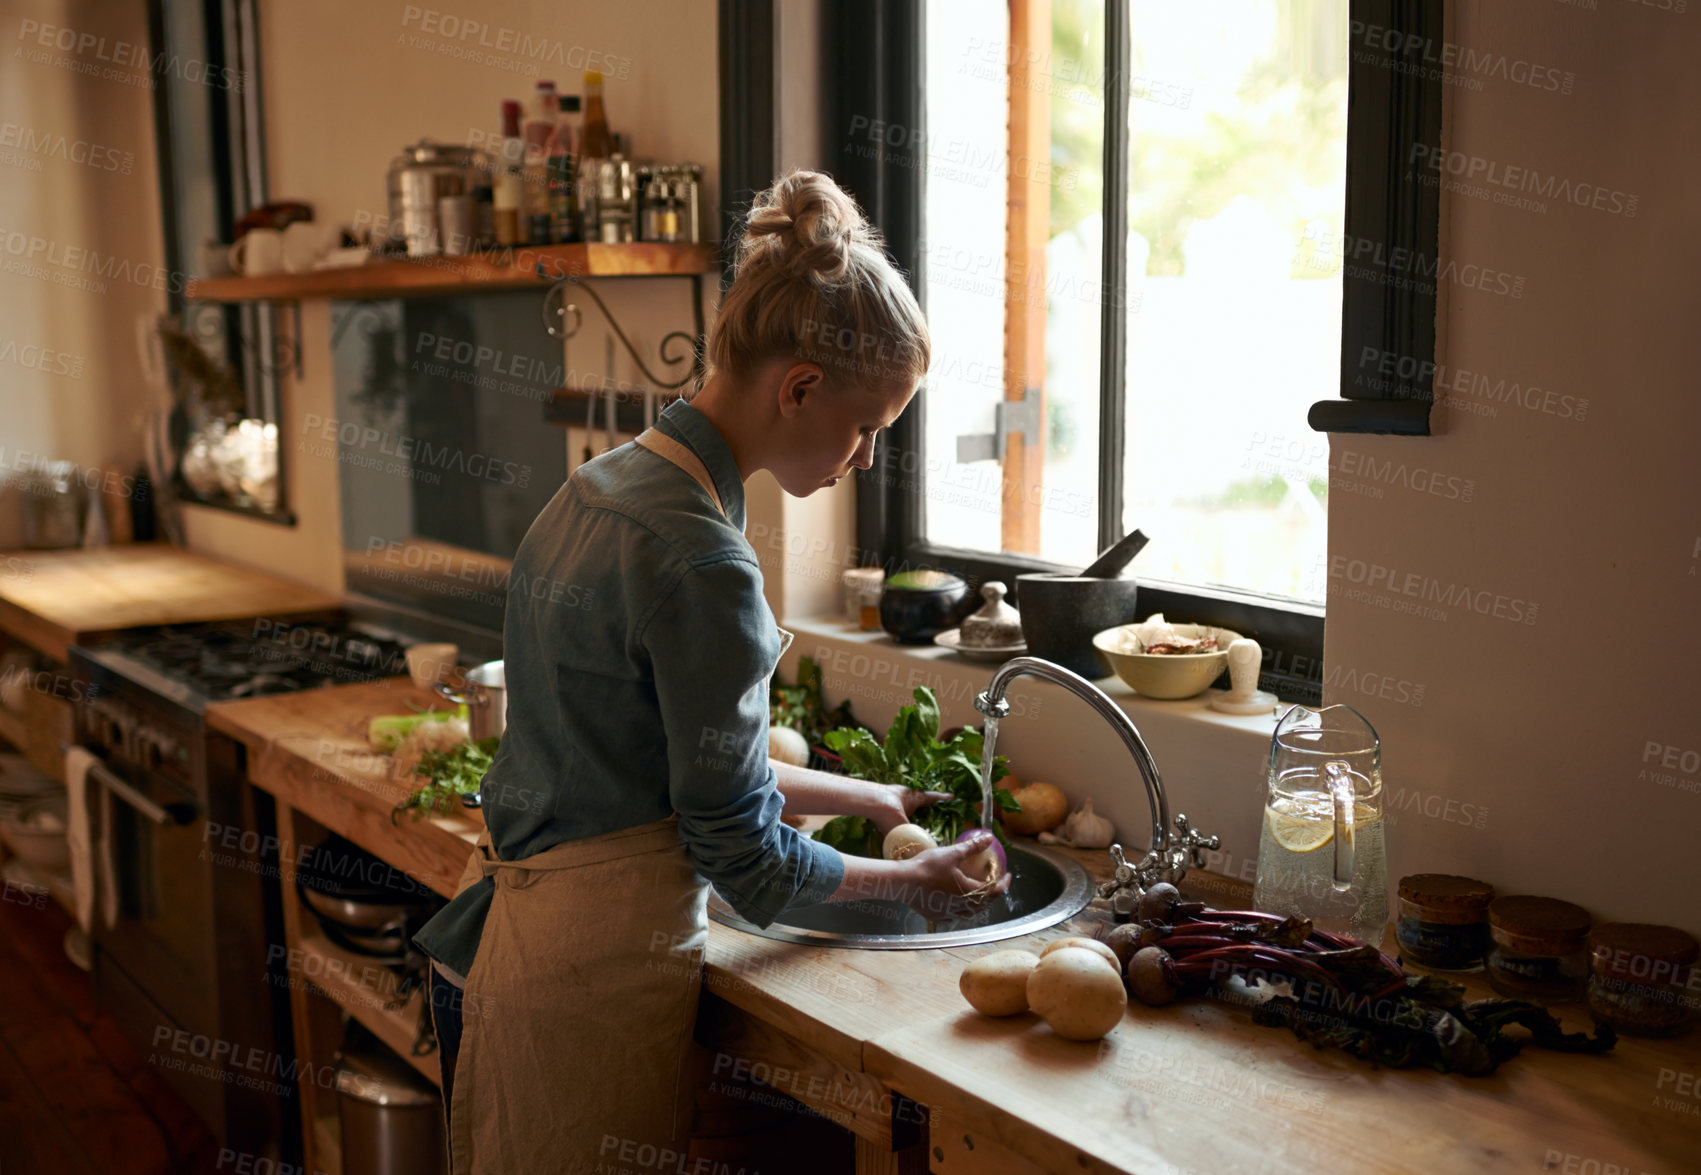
(1062, 613)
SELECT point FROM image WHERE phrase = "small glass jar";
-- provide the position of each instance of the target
(1642, 978)
(1538, 949)
(862, 590)
(1443, 922)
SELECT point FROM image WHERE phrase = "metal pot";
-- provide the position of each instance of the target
(392, 1119)
(485, 697)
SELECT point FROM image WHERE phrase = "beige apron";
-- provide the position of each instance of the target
(579, 1008)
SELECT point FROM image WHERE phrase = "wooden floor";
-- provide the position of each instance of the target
(75, 1096)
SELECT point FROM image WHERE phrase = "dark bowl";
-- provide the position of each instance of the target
(916, 606)
(1062, 613)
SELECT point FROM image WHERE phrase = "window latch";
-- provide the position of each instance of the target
(1008, 416)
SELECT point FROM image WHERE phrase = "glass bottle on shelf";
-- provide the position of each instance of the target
(509, 191)
(563, 200)
(595, 146)
(539, 127)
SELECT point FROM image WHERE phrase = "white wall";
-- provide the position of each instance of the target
(1555, 727)
(347, 86)
(69, 387)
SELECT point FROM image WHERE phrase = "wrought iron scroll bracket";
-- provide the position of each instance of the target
(562, 319)
(206, 323)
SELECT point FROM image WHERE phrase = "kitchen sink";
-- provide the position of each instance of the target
(1046, 888)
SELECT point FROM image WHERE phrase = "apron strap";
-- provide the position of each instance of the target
(668, 449)
(658, 836)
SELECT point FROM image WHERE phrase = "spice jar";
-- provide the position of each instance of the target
(1642, 977)
(1538, 949)
(1443, 922)
(862, 588)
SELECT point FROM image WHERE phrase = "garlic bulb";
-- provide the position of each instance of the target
(1082, 829)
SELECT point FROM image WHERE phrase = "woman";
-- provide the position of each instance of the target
(634, 769)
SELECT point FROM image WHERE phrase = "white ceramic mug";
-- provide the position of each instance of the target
(259, 251)
(429, 664)
(215, 259)
(305, 241)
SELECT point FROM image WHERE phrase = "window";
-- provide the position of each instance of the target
(1236, 144)
(223, 359)
(1130, 222)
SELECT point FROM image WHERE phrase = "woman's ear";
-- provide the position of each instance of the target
(799, 380)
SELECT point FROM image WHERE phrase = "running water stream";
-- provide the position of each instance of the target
(988, 751)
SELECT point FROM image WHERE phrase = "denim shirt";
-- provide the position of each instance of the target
(638, 648)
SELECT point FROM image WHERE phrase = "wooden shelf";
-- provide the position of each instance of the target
(504, 269)
(362, 987)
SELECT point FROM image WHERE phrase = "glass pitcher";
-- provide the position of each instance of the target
(1321, 853)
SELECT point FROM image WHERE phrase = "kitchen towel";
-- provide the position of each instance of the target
(77, 836)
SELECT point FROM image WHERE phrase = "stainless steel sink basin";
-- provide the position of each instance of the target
(1045, 888)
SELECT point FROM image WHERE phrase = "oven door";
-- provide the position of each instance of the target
(154, 911)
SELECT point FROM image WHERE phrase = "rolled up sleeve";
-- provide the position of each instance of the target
(712, 646)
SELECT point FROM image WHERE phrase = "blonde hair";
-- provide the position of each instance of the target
(812, 280)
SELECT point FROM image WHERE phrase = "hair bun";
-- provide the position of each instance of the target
(807, 225)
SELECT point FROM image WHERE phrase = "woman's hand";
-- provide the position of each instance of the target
(894, 804)
(938, 888)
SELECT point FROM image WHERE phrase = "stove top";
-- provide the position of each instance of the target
(196, 664)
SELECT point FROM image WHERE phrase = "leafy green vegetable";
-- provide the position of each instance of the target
(451, 774)
(802, 707)
(386, 732)
(913, 755)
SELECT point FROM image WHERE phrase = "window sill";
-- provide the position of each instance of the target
(1212, 763)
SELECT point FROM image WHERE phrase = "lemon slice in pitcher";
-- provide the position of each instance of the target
(1301, 828)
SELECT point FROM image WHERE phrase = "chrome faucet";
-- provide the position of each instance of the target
(1170, 854)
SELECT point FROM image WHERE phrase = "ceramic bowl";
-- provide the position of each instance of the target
(919, 605)
(1167, 676)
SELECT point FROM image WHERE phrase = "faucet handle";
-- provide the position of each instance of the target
(1193, 843)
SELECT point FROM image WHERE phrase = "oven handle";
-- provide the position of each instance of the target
(118, 787)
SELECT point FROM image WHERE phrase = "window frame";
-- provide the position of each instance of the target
(872, 67)
(223, 125)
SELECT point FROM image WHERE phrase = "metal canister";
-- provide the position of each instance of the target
(419, 177)
(686, 183)
(652, 203)
(391, 1118)
(617, 200)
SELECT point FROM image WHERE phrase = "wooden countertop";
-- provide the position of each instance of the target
(61, 597)
(310, 749)
(1191, 1089)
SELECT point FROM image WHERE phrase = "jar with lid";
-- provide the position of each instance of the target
(1538, 949)
(862, 588)
(652, 197)
(1443, 922)
(1642, 978)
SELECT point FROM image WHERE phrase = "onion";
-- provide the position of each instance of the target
(788, 746)
(905, 841)
(987, 865)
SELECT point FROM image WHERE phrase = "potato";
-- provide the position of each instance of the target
(1044, 807)
(1091, 944)
(1078, 993)
(997, 984)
